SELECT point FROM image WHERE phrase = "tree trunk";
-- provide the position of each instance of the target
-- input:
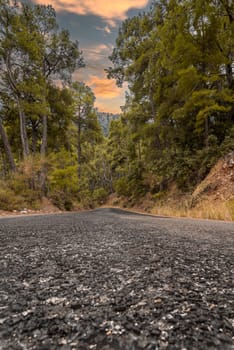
(228, 10)
(153, 112)
(43, 153)
(7, 147)
(34, 136)
(230, 81)
(44, 135)
(229, 75)
(79, 147)
(206, 132)
(23, 132)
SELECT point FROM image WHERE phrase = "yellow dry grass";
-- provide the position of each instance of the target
(205, 210)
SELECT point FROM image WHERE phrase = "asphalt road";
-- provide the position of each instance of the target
(108, 279)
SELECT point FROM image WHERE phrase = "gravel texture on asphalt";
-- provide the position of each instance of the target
(114, 280)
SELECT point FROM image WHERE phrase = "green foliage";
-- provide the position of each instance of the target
(85, 198)
(130, 187)
(61, 200)
(9, 201)
(121, 187)
(20, 191)
(177, 120)
(100, 195)
(178, 115)
(64, 180)
(228, 143)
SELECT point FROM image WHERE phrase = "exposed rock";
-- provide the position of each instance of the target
(219, 183)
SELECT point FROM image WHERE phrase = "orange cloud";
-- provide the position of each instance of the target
(108, 107)
(109, 97)
(103, 87)
(107, 9)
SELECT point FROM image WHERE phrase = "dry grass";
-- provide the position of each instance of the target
(179, 207)
(205, 210)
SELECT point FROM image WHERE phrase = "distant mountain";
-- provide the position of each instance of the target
(105, 120)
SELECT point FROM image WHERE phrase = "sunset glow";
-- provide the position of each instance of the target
(106, 9)
(95, 24)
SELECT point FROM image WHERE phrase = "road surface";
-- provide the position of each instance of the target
(114, 280)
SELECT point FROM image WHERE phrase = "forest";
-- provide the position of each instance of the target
(177, 121)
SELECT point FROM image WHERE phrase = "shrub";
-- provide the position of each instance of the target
(61, 200)
(64, 180)
(159, 196)
(121, 187)
(86, 199)
(9, 201)
(100, 195)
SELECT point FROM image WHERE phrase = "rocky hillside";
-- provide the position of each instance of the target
(105, 120)
(219, 184)
(213, 198)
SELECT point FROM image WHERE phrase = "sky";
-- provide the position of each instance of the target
(95, 24)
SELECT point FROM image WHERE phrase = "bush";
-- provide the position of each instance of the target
(9, 201)
(159, 196)
(86, 199)
(100, 195)
(22, 188)
(64, 180)
(228, 144)
(130, 187)
(61, 200)
(121, 187)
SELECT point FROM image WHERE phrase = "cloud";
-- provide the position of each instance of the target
(96, 61)
(97, 55)
(98, 50)
(109, 97)
(103, 87)
(108, 106)
(109, 10)
(105, 29)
